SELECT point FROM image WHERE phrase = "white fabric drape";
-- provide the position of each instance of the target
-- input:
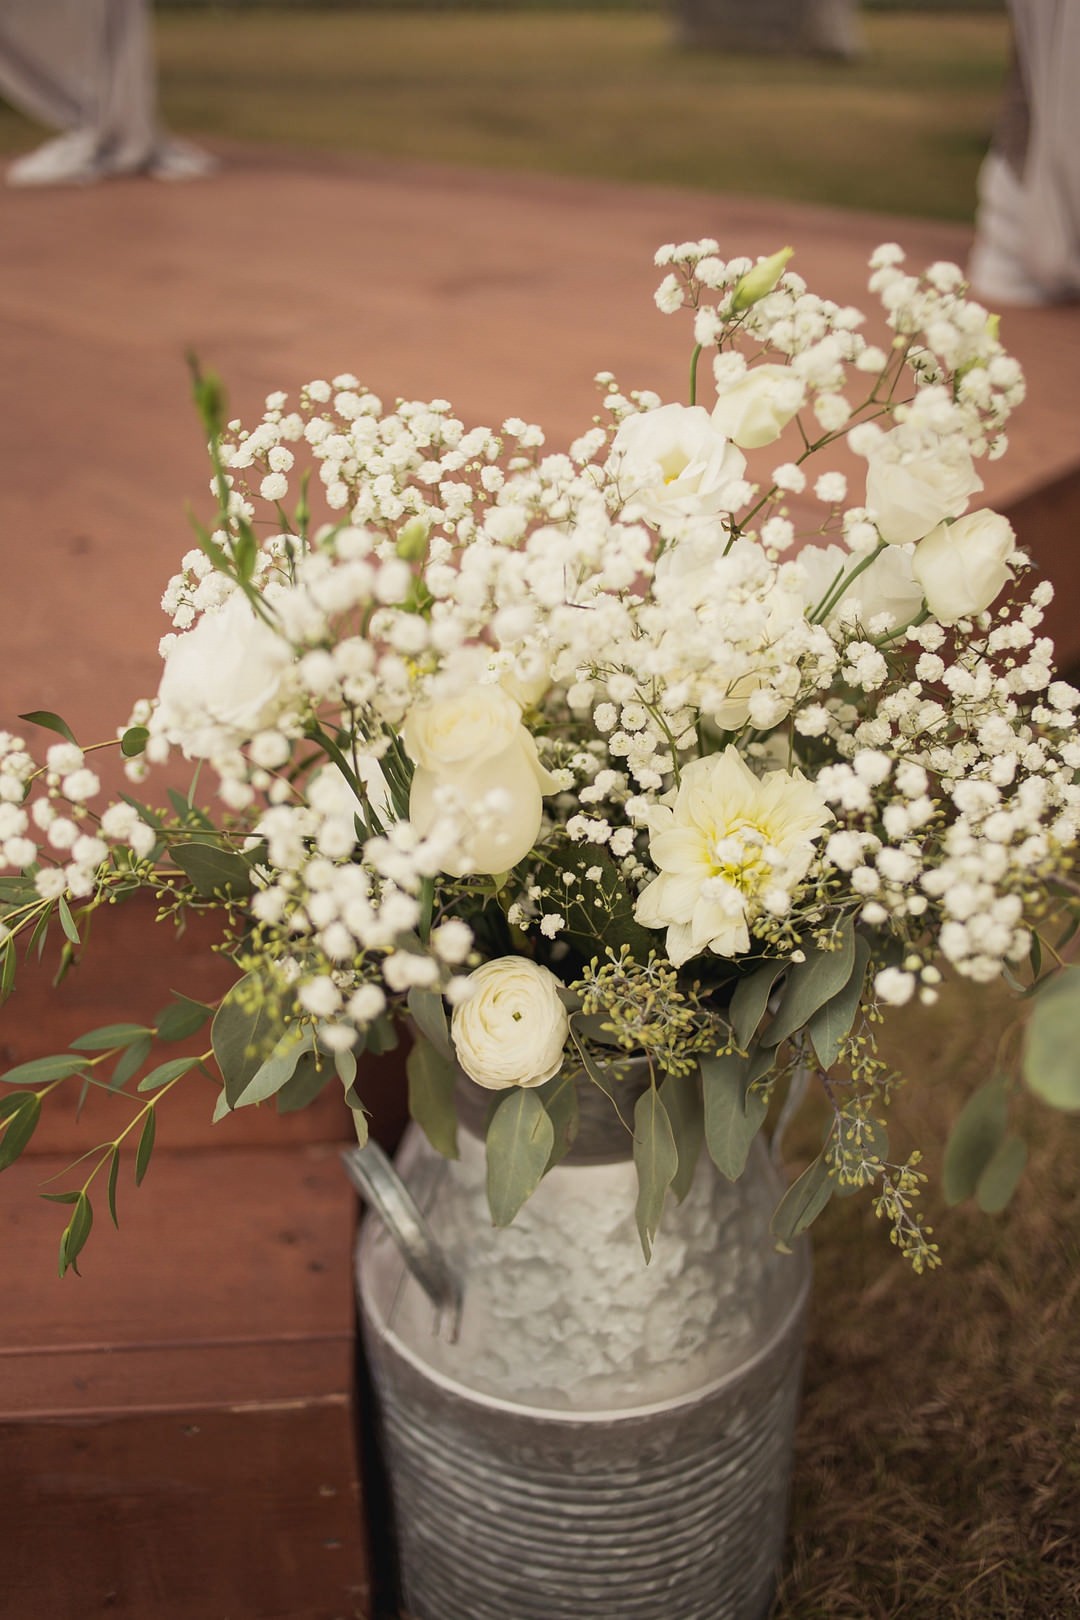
(1027, 247)
(87, 67)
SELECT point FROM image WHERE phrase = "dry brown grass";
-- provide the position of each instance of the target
(938, 1455)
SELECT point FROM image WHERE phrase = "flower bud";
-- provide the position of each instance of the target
(760, 280)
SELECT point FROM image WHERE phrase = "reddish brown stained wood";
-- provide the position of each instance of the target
(202, 1515)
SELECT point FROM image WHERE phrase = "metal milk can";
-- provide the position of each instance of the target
(570, 1434)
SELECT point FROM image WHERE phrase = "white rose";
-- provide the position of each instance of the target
(673, 462)
(913, 483)
(476, 762)
(224, 680)
(512, 1027)
(963, 566)
(886, 586)
(755, 410)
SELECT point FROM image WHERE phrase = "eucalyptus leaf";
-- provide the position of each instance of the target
(520, 1138)
(560, 1098)
(50, 722)
(733, 1114)
(108, 1037)
(8, 964)
(166, 1072)
(213, 870)
(181, 1018)
(13, 1102)
(830, 1025)
(114, 1176)
(67, 921)
(974, 1140)
(656, 1159)
(74, 1236)
(20, 1127)
(803, 1202)
(381, 1036)
(42, 1069)
(146, 1146)
(276, 1069)
(221, 1108)
(307, 1081)
(246, 1028)
(681, 1097)
(750, 1000)
(134, 741)
(131, 1062)
(811, 983)
(1051, 1064)
(428, 1013)
(999, 1180)
(432, 1079)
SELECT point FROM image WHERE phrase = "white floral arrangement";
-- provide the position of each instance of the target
(567, 758)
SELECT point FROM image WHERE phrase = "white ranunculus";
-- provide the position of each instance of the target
(755, 410)
(963, 566)
(674, 463)
(914, 482)
(224, 681)
(886, 586)
(476, 762)
(511, 1029)
(731, 847)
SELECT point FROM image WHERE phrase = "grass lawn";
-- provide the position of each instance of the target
(598, 93)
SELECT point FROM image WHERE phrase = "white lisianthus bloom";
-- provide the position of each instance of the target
(963, 566)
(887, 586)
(224, 681)
(673, 462)
(915, 481)
(476, 761)
(731, 847)
(511, 1028)
(755, 410)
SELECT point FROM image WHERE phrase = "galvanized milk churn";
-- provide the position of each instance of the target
(570, 1434)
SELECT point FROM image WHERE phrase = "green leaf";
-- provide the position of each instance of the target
(803, 1202)
(810, 984)
(308, 1080)
(114, 1173)
(1051, 1065)
(246, 1028)
(998, 1181)
(146, 1146)
(381, 1036)
(221, 1107)
(656, 1160)
(13, 1102)
(67, 921)
(42, 1069)
(20, 1128)
(8, 965)
(681, 1097)
(750, 1000)
(108, 1036)
(189, 813)
(360, 1126)
(134, 741)
(733, 1114)
(144, 812)
(131, 1062)
(61, 1198)
(181, 1018)
(520, 1138)
(279, 1067)
(172, 1070)
(51, 722)
(428, 1013)
(974, 1140)
(830, 1025)
(560, 1098)
(74, 1236)
(213, 870)
(432, 1079)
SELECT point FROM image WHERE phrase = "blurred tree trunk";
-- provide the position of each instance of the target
(802, 27)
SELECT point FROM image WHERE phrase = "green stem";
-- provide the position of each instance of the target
(841, 583)
(694, 358)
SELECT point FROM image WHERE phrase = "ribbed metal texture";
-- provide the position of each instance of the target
(604, 1441)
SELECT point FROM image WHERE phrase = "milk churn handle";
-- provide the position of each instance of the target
(376, 1180)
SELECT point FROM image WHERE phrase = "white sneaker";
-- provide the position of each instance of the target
(69, 160)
